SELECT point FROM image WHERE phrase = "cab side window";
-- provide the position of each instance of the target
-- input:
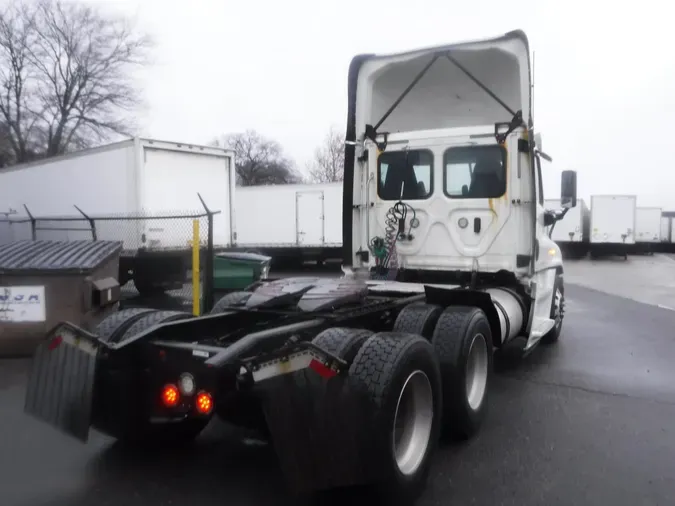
(406, 175)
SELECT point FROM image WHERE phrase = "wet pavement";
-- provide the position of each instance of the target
(587, 421)
(645, 278)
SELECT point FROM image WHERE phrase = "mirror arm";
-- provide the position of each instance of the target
(557, 217)
(543, 155)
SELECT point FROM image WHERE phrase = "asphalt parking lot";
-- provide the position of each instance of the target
(588, 421)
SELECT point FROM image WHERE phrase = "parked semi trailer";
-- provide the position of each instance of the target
(612, 224)
(136, 177)
(354, 379)
(572, 232)
(291, 223)
(647, 228)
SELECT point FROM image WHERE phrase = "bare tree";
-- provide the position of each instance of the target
(66, 72)
(16, 75)
(328, 165)
(259, 161)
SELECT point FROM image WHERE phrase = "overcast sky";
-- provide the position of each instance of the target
(604, 74)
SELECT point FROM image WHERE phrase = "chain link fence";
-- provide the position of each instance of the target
(157, 265)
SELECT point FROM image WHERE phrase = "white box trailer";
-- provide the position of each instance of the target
(299, 221)
(135, 177)
(647, 229)
(647, 224)
(612, 223)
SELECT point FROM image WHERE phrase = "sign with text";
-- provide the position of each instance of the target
(22, 304)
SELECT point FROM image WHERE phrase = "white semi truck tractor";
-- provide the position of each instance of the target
(443, 196)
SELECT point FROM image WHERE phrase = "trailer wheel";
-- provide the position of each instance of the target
(116, 324)
(150, 320)
(463, 343)
(342, 342)
(557, 311)
(399, 377)
(231, 299)
(418, 318)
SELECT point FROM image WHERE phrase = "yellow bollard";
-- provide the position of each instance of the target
(196, 292)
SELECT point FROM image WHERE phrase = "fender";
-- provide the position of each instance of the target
(466, 297)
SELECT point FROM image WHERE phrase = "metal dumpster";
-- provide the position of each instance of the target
(45, 282)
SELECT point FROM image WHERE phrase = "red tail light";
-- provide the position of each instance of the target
(204, 403)
(170, 396)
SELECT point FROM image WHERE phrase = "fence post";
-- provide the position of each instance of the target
(92, 225)
(33, 223)
(208, 261)
(196, 292)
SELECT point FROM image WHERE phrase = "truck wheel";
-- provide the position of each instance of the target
(557, 311)
(150, 320)
(463, 343)
(116, 324)
(399, 376)
(342, 342)
(418, 318)
(231, 299)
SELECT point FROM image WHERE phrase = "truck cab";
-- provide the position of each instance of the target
(443, 173)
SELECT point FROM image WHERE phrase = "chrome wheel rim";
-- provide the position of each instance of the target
(413, 420)
(477, 371)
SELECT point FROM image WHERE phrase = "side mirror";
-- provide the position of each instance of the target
(568, 189)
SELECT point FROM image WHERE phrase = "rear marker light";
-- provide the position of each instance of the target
(321, 369)
(204, 403)
(170, 396)
(54, 343)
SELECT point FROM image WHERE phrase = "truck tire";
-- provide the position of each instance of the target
(231, 299)
(150, 320)
(463, 343)
(418, 318)
(398, 376)
(557, 311)
(116, 324)
(342, 342)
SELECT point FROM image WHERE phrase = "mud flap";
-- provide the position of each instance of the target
(61, 383)
(316, 426)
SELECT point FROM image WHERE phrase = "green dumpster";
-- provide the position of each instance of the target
(236, 270)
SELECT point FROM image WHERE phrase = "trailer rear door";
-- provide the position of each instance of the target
(309, 217)
(172, 177)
